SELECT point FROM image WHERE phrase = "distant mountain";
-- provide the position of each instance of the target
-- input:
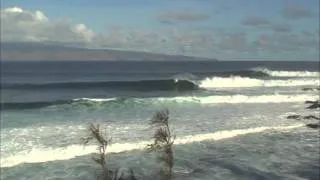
(41, 51)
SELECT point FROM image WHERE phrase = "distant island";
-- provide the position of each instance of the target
(42, 52)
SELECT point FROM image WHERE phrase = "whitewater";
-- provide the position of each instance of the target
(37, 155)
(229, 118)
(287, 73)
(233, 99)
(238, 82)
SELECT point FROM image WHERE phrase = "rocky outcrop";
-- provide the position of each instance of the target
(311, 117)
(311, 89)
(313, 125)
(314, 104)
(294, 117)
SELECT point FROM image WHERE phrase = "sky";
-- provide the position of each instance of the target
(221, 29)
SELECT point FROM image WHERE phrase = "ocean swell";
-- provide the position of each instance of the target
(224, 99)
(186, 82)
(143, 85)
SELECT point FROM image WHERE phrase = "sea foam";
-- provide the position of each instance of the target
(235, 99)
(95, 99)
(223, 99)
(245, 82)
(287, 73)
(38, 155)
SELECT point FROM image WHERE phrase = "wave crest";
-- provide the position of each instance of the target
(245, 82)
(287, 73)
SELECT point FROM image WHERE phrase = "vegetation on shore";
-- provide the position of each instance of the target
(162, 144)
(97, 135)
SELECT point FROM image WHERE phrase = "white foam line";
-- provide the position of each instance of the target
(288, 73)
(236, 99)
(72, 151)
(229, 99)
(96, 99)
(230, 134)
(245, 82)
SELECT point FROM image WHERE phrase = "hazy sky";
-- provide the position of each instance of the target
(223, 29)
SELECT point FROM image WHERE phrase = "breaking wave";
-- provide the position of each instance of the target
(287, 73)
(186, 82)
(171, 84)
(38, 155)
(245, 82)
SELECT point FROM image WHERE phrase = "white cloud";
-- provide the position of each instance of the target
(13, 10)
(18, 24)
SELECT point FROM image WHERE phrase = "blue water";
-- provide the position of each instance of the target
(229, 118)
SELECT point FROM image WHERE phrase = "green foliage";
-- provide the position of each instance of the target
(102, 142)
(163, 142)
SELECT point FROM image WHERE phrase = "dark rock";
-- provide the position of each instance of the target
(311, 89)
(313, 125)
(311, 102)
(314, 104)
(294, 117)
(311, 117)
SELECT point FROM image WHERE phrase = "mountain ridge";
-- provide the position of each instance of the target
(12, 51)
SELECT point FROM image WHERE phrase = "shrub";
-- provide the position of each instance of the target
(102, 143)
(163, 142)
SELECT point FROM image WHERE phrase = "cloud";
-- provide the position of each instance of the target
(236, 42)
(182, 16)
(256, 21)
(172, 41)
(19, 25)
(295, 12)
(269, 43)
(286, 43)
(284, 28)
(276, 46)
(261, 22)
(23, 25)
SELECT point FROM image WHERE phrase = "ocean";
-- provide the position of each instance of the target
(229, 118)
